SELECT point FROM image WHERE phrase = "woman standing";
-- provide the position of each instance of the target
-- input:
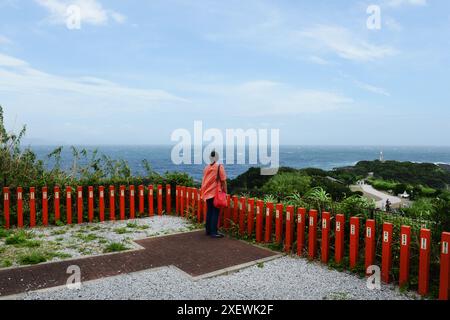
(213, 174)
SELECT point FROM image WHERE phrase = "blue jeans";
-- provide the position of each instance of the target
(212, 218)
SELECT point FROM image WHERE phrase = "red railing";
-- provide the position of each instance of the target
(266, 225)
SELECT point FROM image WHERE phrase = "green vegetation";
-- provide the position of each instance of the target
(425, 179)
(428, 184)
(20, 167)
(328, 191)
(34, 257)
(115, 247)
(284, 184)
(122, 230)
(20, 238)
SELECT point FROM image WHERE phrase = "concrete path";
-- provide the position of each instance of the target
(380, 195)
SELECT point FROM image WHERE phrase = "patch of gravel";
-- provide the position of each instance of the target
(286, 278)
(76, 241)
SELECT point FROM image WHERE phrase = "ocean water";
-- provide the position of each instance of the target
(323, 157)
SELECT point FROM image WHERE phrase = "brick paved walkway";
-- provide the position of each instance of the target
(192, 252)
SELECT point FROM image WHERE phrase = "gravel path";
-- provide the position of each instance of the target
(76, 241)
(284, 278)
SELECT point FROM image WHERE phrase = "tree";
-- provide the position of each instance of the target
(17, 165)
(285, 184)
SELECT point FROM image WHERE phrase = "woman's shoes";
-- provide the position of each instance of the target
(217, 236)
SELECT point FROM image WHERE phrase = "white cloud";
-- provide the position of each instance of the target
(393, 24)
(398, 3)
(319, 60)
(17, 77)
(373, 89)
(268, 98)
(4, 40)
(346, 45)
(8, 61)
(92, 11)
(287, 34)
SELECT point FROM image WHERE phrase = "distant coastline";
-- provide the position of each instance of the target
(321, 157)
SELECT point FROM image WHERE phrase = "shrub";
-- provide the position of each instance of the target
(284, 184)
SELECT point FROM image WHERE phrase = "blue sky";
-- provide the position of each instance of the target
(137, 70)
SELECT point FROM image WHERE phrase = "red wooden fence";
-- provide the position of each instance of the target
(269, 226)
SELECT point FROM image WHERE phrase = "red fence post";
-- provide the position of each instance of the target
(80, 204)
(268, 230)
(193, 198)
(199, 206)
(354, 241)
(405, 240)
(122, 202)
(386, 258)
(235, 210)
(169, 199)
(326, 217)
(160, 202)
(6, 207)
(182, 191)
(444, 283)
(259, 220)
(339, 238)
(242, 216)
(301, 219)
(112, 203)
(132, 202)
(19, 207)
(195, 207)
(279, 223)
(187, 200)
(424, 261)
(250, 216)
(90, 204)
(32, 207)
(289, 222)
(141, 199)
(69, 205)
(101, 203)
(227, 214)
(45, 206)
(177, 200)
(370, 243)
(56, 204)
(312, 246)
(151, 209)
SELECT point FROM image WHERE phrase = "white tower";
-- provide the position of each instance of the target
(381, 156)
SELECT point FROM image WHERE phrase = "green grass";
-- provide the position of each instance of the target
(4, 233)
(58, 232)
(59, 223)
(60, 255)
(122, 230)
(134, 225)
(6, 263)
(31, 244)
(87, 237)
(20, 238)
(32, 258)
(115, 247)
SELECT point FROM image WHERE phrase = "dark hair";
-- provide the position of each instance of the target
(213, 154)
